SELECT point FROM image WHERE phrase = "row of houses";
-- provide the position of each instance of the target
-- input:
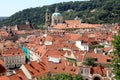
(40, 54)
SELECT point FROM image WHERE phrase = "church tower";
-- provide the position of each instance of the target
(56, 17)
(47, 18)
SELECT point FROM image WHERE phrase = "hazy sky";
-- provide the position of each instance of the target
(9, 7)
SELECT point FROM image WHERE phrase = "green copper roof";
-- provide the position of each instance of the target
(56, 14)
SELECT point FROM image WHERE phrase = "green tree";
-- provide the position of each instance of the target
(106, 11)
(90, 62)
(63, 76)
(48, 78)
(116, 54)
(78, 77)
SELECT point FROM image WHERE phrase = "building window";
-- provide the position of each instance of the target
(86, 71)
(81, 71)
(109, 74)
(55, 21)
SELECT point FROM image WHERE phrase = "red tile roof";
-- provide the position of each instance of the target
(62, 67)
(4, 34)
(98, 70)
(70, 24)
(19, 75)
(73, 22)
(4, 78)
(2, 69)
(100, 58)
(53, 53)
(1, 62)
(24, 27)
(37, 68)
(12, 52)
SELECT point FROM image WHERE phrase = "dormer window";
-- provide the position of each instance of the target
(81, 71)
(108, 60)
(96, 59)
(63, 69)
(74, 70)
(87, 71)
(55, 67)
(18, 53)
(13, 53)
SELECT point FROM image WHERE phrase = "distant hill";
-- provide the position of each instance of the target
(93, 11)
(1, 18)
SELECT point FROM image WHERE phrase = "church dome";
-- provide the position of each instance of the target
(56, 17)
(56, 14)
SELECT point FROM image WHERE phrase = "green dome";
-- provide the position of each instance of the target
(56, 14)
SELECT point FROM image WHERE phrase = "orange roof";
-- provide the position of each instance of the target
(41, 50)
(62, 67)
(53, 53)
(49, 38)
(4, 33)
(20, 32)
(98, 70)
(2, 69)
(73, 22)
(4, 78)
(72, 37)
(1, 62)
(19, 75)
(79, 55)
(37, 68)
(12, 52)
(106, 49)
(100, 57)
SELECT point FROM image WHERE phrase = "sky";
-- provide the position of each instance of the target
(9, 7)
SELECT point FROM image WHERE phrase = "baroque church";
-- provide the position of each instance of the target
(55, 19)
(55, 22)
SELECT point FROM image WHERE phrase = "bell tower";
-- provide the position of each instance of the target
(47, 18)
(56, 17)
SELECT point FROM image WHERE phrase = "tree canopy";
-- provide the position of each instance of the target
(90, 62)
(93, 11)
(63, 76)
(116, 59)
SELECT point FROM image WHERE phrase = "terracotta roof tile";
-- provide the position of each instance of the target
(19, 75)
(75, 24)
(24, 27)
(100, 58)
(4, 34)
(2, 69)
(62, 67)
(1, 62)
(37, 68)
(4, 78)
(98, 70)
(12, 52)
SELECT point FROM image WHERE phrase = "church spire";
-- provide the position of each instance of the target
(56, 9)
(47, 18)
